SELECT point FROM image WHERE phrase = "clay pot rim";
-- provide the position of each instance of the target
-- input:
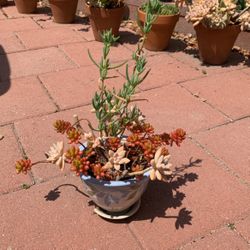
(102, 8)
(159, 16)
(60, 0)
(211, 29)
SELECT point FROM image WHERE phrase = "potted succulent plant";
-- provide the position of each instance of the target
(217, 24)
(164, 18)
(115, 159)
(63, 10)
(26, 6)
(105, 15)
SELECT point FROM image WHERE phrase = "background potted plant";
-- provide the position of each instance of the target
(26, 6)
(217, 24)
(164, 18)
(63, 10)
(105, 15)
(115, 159)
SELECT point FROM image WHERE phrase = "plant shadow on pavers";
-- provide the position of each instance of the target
(55, 193)
(4, 72)
(168, 196)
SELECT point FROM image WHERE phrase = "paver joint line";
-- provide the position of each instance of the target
(206, 102)
(48, 94)
(221, 163)
(214, 231)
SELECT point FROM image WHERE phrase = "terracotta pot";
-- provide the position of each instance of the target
(162, 29)
(63, 10)
(26, 6)
(215, 44)
(105, 19)
(3, 2)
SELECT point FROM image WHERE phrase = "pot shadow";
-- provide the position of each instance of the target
(47, 11)
(235, 58)
(128, 37)
(5, 71)
(168, 196)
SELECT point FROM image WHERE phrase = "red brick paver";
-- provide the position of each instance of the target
(178, 108)
(223, 239)
(42, 127)
(2, 16)
(165, 70)
(11, 12)
(34, 62)
(242, 227)
(46, 74)
(9, 151)
(24, 106)
(204, 197)
(44, 218)
(231, 144)
(9, 42)
(71, 88)
(47, 38)
(18, 24)
(78, 52)
(227, 96)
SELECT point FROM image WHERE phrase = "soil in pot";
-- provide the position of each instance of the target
(102, 19)
(26, 6)
(3, 2)
(162, 29)
(215, 45)
(63, 10)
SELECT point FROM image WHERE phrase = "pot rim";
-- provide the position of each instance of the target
(113, 183)
(228, 26)
(102, 8)
(159, 16)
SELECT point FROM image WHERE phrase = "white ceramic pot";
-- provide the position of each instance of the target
(115, 196)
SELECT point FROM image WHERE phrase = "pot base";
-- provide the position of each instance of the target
(118, 215)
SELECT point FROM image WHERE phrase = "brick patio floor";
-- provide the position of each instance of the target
(45, 74)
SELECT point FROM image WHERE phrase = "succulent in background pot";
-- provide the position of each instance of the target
(26, 6)
(117, 157)
(217, 24)
(105, 15)
(164, 18)
(63, 10)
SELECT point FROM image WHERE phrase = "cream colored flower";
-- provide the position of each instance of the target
(116, 159)
(56, 154)
(161, 166)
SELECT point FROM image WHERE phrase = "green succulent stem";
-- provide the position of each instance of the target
(113, 108)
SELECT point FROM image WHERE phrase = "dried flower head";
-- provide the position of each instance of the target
(73, 135)
(177, 136)
(61, 126)
(23, 166)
